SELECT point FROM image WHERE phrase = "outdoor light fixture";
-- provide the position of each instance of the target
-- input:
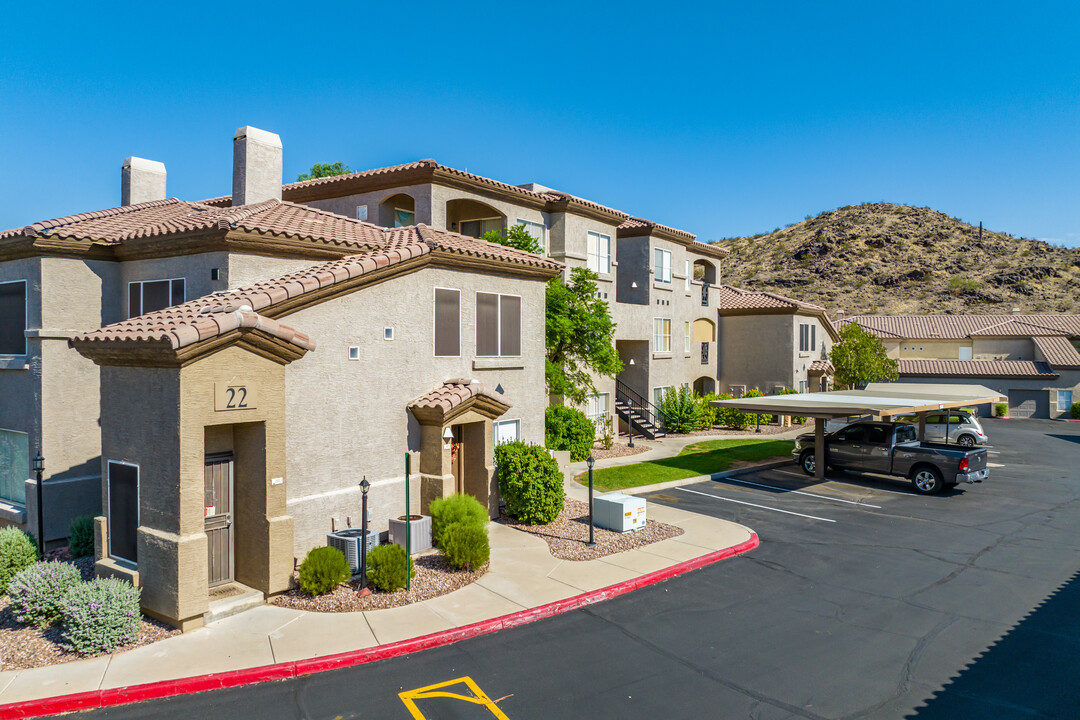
(364, 487)
(39, 471)
(448, 437)
(591, 461)
(632, 361)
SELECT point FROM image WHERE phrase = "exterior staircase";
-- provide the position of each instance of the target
(640, 414)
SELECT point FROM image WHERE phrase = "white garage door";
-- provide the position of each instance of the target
(1029, 403)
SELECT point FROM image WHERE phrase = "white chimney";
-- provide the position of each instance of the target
(256, 166)
(1016, 311)
(141, 181)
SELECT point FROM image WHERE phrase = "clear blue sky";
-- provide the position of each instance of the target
(724, 119)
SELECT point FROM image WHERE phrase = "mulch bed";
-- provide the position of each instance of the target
(619, 450)
(434, 577)
(23, 647)
(567, 534)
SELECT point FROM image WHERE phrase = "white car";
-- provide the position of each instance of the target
(964, 428)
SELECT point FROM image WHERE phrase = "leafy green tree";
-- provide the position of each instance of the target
(319, 170)
(580, 336)
(860, 358)
(515, 236)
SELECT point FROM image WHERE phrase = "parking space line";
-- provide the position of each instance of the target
(872, 489)
(800, 492)
(763, 507)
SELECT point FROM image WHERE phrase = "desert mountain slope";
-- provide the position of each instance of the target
(893, 259)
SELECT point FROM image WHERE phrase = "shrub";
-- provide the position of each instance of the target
(566, 428)
(37, 592)
(530, 482)
(81, 536)
(1001, 409)
(797, 419)
(466, 546)
(18, 551)
(731, 417)
(323, 569)
(100, 616)
(456, 508)
(389, 567)
(681, 410)
(607, 435)
(1074, 411)
(755, 418)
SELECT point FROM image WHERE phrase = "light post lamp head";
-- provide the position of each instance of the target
(39, 463)
(364, 485)
(591, 461)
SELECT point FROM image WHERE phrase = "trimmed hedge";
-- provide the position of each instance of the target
(566, 428)
(37, 592)
(100, 616)
(323, 569)
(456, 508)
(18, 551)
(389, 567)
(466, 545)
(1001, 409)
(81, 536)
(530, 482)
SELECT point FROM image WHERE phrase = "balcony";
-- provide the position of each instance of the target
(705, 351)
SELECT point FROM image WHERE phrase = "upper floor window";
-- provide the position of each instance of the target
(599, 253)
(686, 269)
(150, 295)
(661, 265)
(479, 228)
(498, 325)
(447, 322)
(13, 318)
(661, 335)
(807, 337)
(536, 230)
(686, 336)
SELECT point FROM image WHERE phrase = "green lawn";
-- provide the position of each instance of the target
(703, 458)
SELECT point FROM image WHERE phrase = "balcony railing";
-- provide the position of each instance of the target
(705, 294)
(705, 351)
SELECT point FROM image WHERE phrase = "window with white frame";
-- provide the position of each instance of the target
(13, 318)
(536, 230)
(661, 335)
(686, 336)
(498, 325)
(507, 431)
(661, 265)
(804, 386)
(146, 296)
(597, 407)
(658, 394)
(807, 337)
(599, 251)
(1064, 400)
(123, 486)
(686, 269)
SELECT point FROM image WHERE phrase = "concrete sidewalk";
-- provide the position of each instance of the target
(522, 575)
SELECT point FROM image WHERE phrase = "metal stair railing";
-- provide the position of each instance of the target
(648, 412)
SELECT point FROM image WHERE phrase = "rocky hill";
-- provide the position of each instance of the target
(893, 259)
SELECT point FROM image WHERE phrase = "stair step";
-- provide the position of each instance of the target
(243, 599)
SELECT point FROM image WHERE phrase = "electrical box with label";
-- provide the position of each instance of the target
(619, 512)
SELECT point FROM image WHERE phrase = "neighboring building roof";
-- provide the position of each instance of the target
(736, 301)
(455, 397)
(821, 367)
(1058, 351)
(976, 368)
(636, 227)
(959, 327)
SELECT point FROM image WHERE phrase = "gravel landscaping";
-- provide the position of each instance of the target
(23, 647)
(567, 534)
(619, 450)
(434, 577)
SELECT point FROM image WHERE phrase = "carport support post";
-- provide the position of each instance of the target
(922, 426)
(819, 448)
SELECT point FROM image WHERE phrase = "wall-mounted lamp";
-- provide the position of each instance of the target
(632, 361)
(448, 437)
(633, 285)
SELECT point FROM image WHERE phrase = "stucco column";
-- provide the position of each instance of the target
(436, 480)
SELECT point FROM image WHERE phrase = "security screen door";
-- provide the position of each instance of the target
(218, 523)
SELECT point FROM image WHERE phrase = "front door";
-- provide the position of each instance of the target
(218, 523)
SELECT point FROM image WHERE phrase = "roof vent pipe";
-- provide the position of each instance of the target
(1016, 311)
(256, 166)
(141, 181)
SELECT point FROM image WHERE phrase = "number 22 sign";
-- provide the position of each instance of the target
(233, 396)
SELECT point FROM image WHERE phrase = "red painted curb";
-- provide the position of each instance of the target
(216, 681)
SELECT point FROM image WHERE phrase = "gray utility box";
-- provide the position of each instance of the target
(619, 512)
(348, 542)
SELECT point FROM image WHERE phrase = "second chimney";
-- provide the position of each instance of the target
(141, 181)
(256, 166)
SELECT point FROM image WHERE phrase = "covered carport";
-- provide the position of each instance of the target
(882, 399)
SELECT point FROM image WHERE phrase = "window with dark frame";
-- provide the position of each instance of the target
(807, 337)
(147, 296)
(447, 322)
(123, 510)
(13, 318)
(498, 325)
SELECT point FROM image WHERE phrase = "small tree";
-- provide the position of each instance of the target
(319, 170)
(515, 236)
(860, 358)
(580, 336)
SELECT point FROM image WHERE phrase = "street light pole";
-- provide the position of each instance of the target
(39, 470)
(364, 486)
(591, 462)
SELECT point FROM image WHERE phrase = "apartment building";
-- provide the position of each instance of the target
(1033, 359)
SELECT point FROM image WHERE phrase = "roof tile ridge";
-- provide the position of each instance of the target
(43, 227)
(312, 182)
(234, 215)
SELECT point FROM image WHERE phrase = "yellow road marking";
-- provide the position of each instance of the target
(478, 697)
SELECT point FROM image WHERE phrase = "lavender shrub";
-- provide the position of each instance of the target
(100, 616)
(37, 593)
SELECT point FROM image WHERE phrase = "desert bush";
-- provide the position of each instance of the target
(566, 428)
(456, 508)
(81, 536)
(389, 567)
(1074, 411)
(37, 592)
(18, 551)
(530, 482)
(323, 569)
(681, 410)
(466, 545)
(1001, 409)
(755, 418)
(100, 616)
(607, 435)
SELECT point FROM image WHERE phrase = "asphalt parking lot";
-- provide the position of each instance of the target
(864, 600)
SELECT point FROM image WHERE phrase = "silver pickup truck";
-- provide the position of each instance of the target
(892, 449)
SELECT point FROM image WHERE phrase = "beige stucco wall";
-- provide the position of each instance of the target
(762, 351)
(1003, 349)
(347, 204)
(930, 350)
(348, 419)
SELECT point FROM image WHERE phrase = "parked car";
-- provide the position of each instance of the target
(964, 428)
(893, 449)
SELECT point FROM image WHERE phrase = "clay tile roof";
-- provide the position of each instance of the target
(821, 366)
(453, 393)
(1058, 351)
(456, 243)
(976, 368)
(733, 298)
(957, 327)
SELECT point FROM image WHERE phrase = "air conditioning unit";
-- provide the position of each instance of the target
(619, 512)
(348, 542)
